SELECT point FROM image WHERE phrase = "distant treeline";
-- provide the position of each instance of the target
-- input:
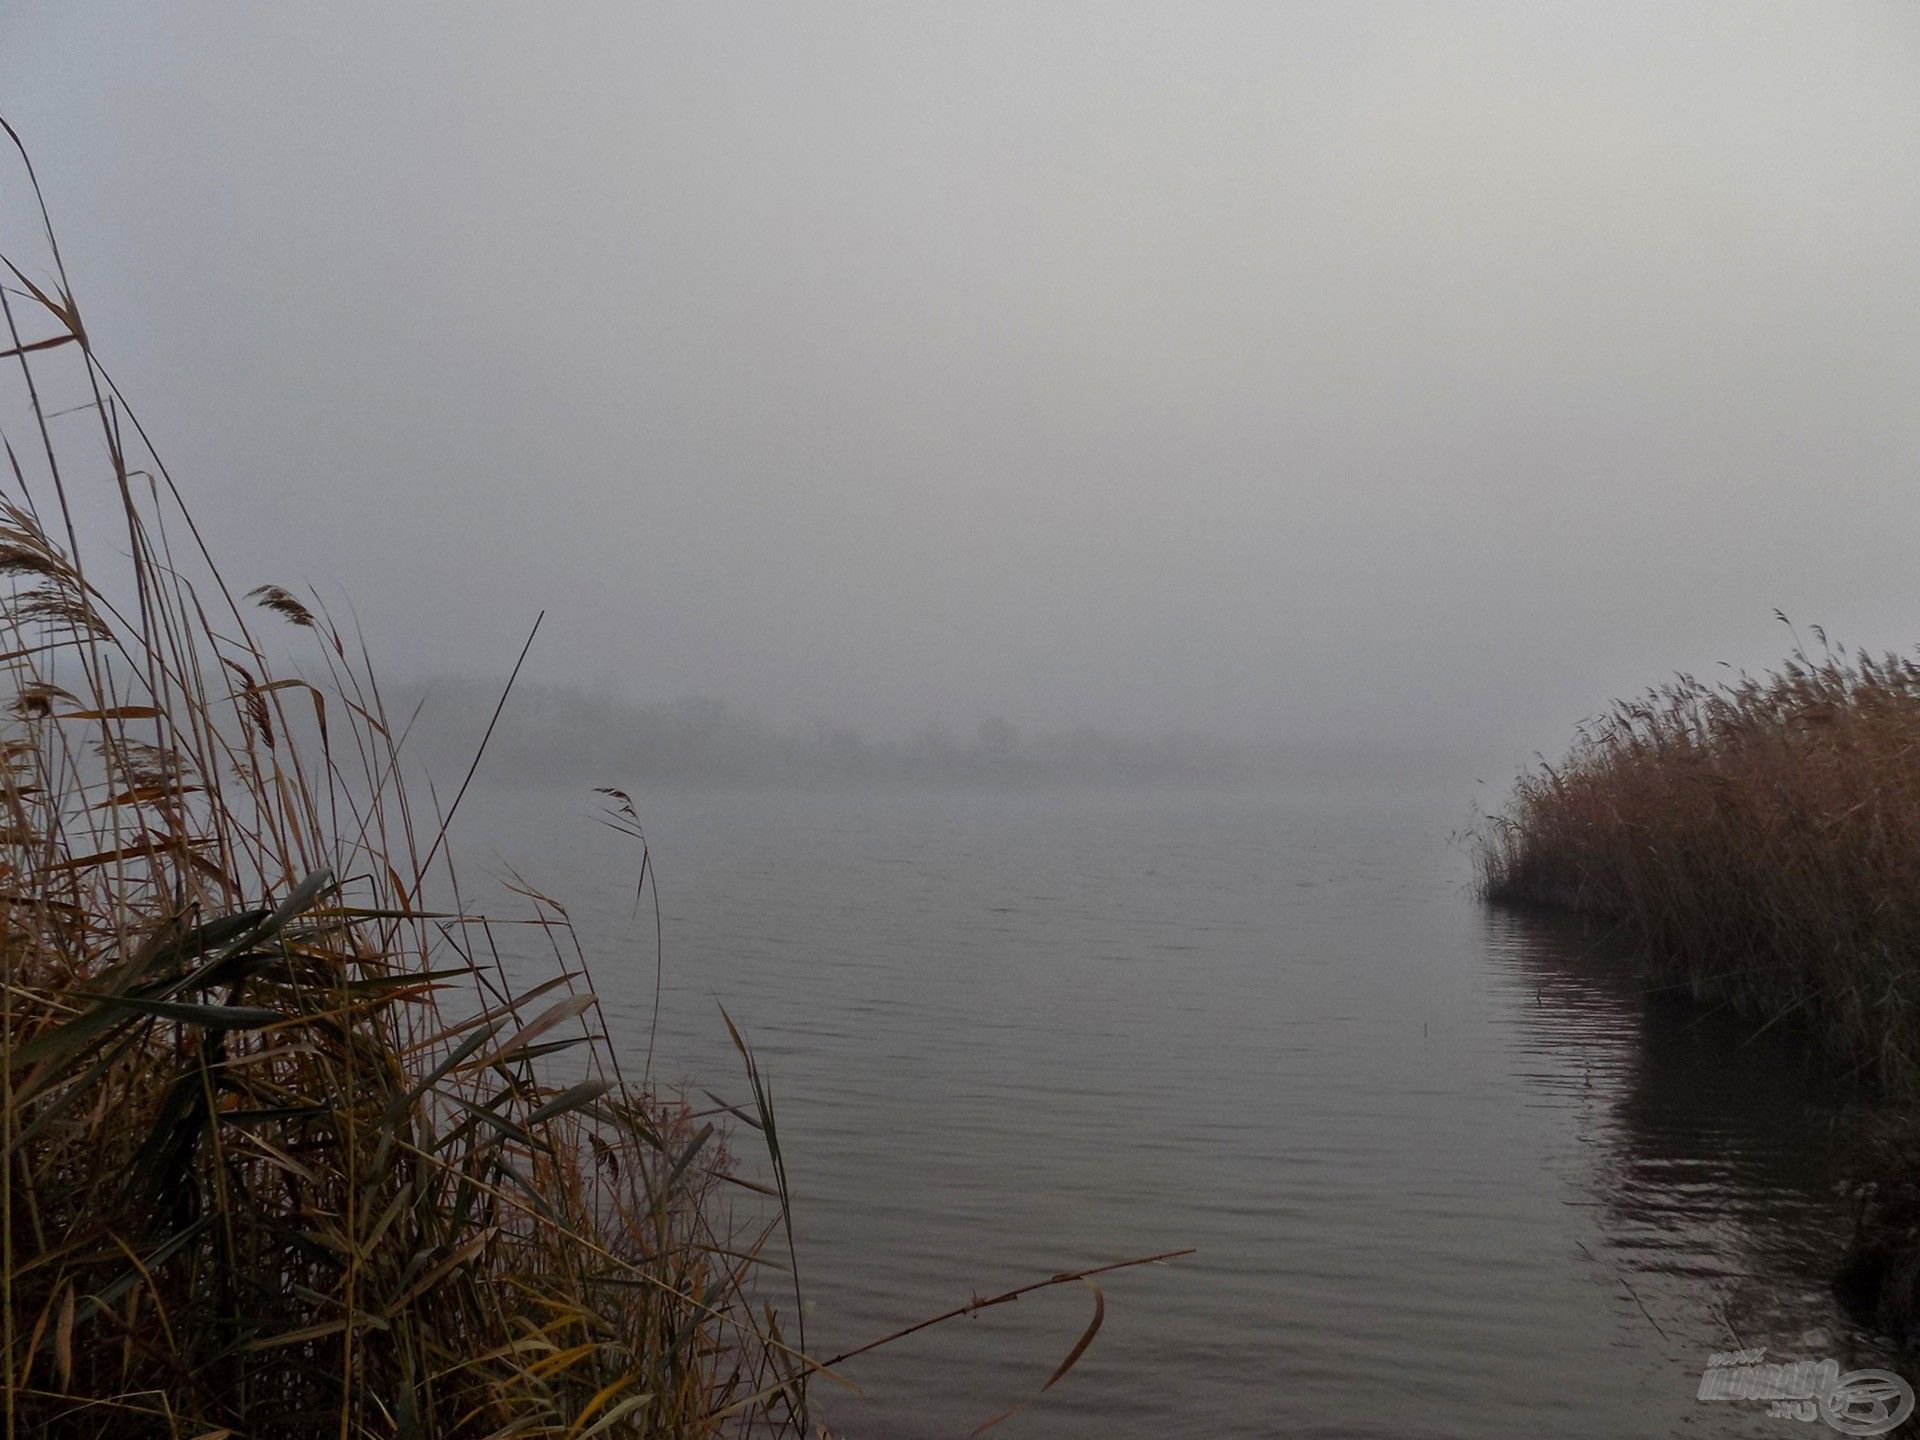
(568, 734)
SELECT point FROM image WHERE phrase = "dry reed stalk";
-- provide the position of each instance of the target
(1760, 839)
(285, 1150)
(1759, 842)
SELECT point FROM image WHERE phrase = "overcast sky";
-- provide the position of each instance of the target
(1407, 373)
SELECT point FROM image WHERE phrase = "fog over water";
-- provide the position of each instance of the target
(1378, 376)
(1048, 510)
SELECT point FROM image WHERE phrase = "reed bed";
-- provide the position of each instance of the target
(291, 1150)
(1759, 842)
(288, 1150)
(1760, 839)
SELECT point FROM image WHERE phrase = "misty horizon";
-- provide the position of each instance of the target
(576, 735)
(1406, 377)
(1256, 663)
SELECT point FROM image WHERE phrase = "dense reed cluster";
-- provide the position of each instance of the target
(1759, 839)
(298, 1144)
(1759, 842)
(288, 1151)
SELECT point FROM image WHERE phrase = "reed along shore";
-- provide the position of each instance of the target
(1758, 842)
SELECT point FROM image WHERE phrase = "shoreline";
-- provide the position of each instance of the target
(1754, 844)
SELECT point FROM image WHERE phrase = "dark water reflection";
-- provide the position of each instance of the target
(1719, 1162)
(1448, 1173)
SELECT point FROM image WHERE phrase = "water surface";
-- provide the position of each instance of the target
(1447, 1171)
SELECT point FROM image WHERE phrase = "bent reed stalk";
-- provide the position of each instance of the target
(285, 1150)
(289, 1152)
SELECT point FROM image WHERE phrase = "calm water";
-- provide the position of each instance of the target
(1446, 1174)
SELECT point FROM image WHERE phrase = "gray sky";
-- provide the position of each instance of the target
(1410, 373)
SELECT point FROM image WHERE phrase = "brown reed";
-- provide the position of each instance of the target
(1759, 843)
(289, 1151)
(1760, 840)
(285, 1148)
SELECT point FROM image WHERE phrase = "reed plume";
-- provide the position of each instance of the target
(288, 1150)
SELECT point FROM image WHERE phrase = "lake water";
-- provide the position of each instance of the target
(1446, 1172)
